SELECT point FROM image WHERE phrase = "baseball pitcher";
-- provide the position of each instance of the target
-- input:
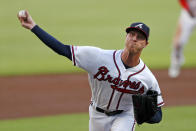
(124, 91)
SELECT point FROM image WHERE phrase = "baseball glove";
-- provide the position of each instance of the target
(145, 106)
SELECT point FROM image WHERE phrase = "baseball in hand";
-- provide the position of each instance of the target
(22, 13)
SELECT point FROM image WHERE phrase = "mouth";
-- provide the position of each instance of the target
(133, 44)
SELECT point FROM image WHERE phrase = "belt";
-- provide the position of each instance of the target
(109, 113)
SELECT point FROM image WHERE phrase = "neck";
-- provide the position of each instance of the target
(130, 59)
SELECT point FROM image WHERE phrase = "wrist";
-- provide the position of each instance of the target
(32, 26)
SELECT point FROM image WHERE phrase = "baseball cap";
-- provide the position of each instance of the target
(141, 27)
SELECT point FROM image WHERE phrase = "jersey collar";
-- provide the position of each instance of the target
(121, 65)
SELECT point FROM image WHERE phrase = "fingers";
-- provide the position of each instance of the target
(23, 15)
(26, 16)
(26, 20)
(19, 18)
(22, 21)
(26, 13)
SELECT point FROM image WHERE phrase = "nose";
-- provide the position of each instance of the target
(134, 37)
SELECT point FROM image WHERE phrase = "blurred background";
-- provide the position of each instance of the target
(100, 23)
(89, 22)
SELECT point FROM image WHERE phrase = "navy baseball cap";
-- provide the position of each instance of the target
(141, 27)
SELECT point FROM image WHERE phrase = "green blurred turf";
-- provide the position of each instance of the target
(174, 119)
(88, 22)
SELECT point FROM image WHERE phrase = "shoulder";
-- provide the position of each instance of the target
(146, 70)
(94, 54)
(90, 49)
(149, 75)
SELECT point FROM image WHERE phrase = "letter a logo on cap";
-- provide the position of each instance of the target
(139, 25)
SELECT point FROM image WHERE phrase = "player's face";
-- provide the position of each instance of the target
(135, 41)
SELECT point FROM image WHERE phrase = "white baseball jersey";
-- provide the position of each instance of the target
(112, 85)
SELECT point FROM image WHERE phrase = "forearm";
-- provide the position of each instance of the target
(157, 117)
(51, 42)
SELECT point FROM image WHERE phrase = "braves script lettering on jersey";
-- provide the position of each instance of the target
(112, 84)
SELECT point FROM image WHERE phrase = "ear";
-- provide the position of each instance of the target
(146, 44)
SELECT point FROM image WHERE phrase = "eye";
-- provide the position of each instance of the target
(141, 36)
(132, 33)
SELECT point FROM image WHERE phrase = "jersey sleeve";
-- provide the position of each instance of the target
(160, 101)
(86, 57)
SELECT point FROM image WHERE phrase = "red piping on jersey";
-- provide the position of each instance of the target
(118, 77)
(137, 72)
(119, 100)
(160, 103)
(110, 99)
(125, 87)
(73, 55)
(116, 64)
(140, 91)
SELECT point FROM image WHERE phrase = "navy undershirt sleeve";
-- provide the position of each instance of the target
(157, 117)
(51, 42)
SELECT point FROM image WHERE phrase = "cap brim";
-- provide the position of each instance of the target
(134, 28)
